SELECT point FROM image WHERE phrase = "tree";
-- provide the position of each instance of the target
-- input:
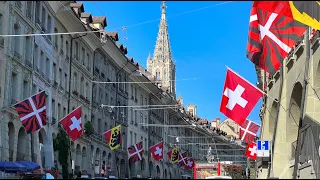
(88, 128)
(62, 144)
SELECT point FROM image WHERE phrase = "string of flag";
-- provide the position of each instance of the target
(274, 29)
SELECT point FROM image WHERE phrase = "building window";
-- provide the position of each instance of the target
(14, 86)
(54, 72)
(67, 48)
(135, 117)
(100, 96)
(61, 44)
(48, 67)
(42, 61)
(53, 108)
(88, 61)
(75, 78)
(107, 99)
(65, 81)
(125, 84)
(87, 91)
(131, 113)
(43, 19)
(141, 118)
(131, 139)
(83, 56)
(56, 38)
(49, 24)
(135, 92)
(77, 51)
(132, 92)
(37, 12)
(65, 112)
(141, 100)
(25, 89)
(82, 86)
(16, 40)
(59, 111)
(60, 76)
(164, 75)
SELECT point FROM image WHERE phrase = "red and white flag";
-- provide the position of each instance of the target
(251, 151)
(239, 97)
(190, 163)
(72, 124)
(135, 152)
(182, 158)
(248, 131)
(32, 112)
(157, 151)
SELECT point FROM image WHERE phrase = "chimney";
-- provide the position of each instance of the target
(99, 22)
(77, 8)
(218, 122)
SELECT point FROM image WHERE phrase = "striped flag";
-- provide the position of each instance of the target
(271, 38)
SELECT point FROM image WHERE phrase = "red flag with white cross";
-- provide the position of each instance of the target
(32, 112)
(189, 163)
(239, 97)
(157, 151)
(248, 131)
(135, 152)
(72, 124)
(182, 158)
(251, 151)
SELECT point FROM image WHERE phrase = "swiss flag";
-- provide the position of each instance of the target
(157, 151)
(251, 151)
(72, 124)
(248, 131)
(189, 163)
(239, 97)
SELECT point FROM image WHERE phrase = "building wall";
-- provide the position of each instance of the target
(289, 113)
(31, 64)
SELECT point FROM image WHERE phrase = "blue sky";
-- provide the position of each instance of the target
(202, 43)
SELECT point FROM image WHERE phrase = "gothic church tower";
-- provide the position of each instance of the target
(161, 65)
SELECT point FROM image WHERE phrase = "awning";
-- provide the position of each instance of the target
(11, 167)
(30, 166)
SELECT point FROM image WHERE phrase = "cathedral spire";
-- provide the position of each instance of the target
(163, 10)
(162, 50)
(161, 65)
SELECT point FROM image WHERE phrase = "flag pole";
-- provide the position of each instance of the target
(252, 84)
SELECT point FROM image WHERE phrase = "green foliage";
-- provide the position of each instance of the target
(88, 128)
(62, 144)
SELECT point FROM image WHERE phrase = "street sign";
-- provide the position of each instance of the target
(263, 148)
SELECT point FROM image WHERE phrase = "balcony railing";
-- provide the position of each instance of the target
(55, 84)
(28, 63)
(18, 4)
(38, 21)
(13, 101)
(17, 55)
(67, 58)
(28, 14)
(61, 52)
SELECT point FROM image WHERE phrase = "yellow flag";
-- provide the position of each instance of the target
(114, 137)
(175, 155)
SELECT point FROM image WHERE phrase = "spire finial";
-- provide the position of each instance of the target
(163, 7)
